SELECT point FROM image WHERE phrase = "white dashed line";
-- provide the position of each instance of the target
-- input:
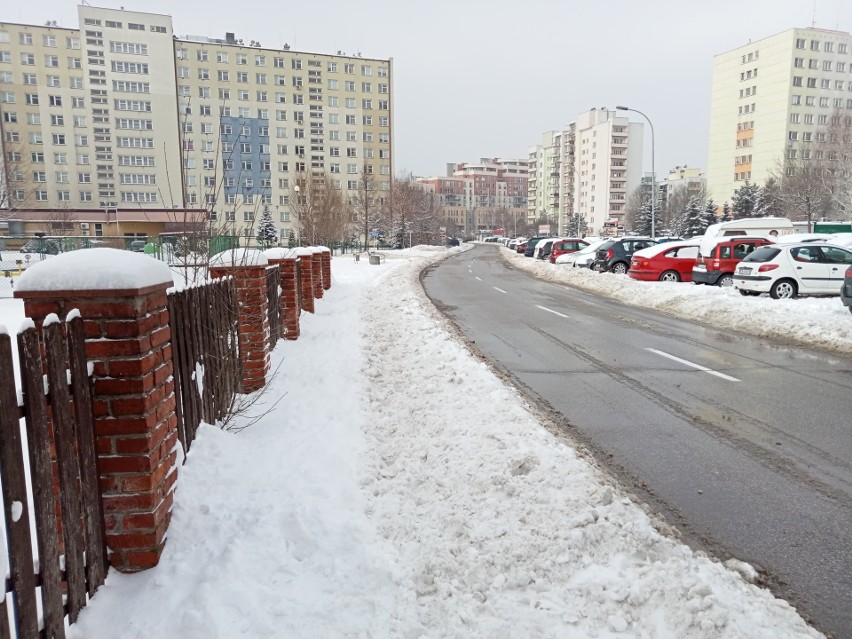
(693, 365)
(499, 290)
(549, 310)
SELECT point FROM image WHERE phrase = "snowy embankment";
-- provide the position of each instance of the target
(821, 322)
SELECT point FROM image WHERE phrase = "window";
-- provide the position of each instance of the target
(222, 75)
(812, 83)
(797, 80)
(350, 119)
(222, 56)
(28, 59)
(201, 55)
(295, 63)
(260, 60)
(349, 68)
(383, 72)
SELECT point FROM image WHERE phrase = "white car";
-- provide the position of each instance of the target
(584, 258)
(790, 270)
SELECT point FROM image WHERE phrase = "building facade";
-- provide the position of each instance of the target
(481, 197)
(771, 99)
(122, 113)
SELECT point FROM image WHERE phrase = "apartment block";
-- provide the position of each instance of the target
(481, 196)
(123, 113)
(550, 188)
(772, 99)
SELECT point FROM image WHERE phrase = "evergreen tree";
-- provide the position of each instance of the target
(267, 232)
(768, 199)
(693, 219)
(726, 213)
(642, 224)
(577, 225)
(744, 199)
(291, 239)
(710, 213)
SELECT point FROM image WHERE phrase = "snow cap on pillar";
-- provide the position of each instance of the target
(102, 269)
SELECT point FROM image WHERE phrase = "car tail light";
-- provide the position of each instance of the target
(717, 264)
(609, 254)
(767, 267)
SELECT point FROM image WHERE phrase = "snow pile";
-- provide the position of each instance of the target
(821, 322)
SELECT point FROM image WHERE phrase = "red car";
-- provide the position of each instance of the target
(566, 245)
(667, 262)
(521, 247)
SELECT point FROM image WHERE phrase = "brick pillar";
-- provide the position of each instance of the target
(290, 307)
(129, 342)
(254, 319)
(316, 266)
(306, 278)
(326, 267)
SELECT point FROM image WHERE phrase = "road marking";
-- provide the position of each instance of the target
(698, 366)
(477, 277)
(550, 310)
(499, 290)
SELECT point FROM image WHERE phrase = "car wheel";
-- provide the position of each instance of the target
(619, 268)
(748, 293)
(783, 290)
(726, 279)
(670, 276)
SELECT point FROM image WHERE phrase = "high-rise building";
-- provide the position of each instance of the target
(588, 169)
(122, 113)
(770, 100)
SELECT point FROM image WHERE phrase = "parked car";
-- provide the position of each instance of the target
(137, 245)
(584, 258)
(528, 252)
(565, 246)
(452, 241)
(521, 247)
(666, 262)
(544, 247)
(791, 270)
(614, 255)
(846, 290)
(668, 238)
(719, 256)
(513, 243)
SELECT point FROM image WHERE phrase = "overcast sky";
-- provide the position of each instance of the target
(485, 78)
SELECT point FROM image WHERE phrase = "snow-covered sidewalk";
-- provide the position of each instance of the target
(399, 489)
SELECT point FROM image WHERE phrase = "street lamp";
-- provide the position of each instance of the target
(653, 174)
(295, 210)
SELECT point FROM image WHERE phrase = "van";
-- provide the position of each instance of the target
(719, 256)
(753, 226)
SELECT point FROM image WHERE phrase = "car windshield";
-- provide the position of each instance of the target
(606, 245)
(762, 254)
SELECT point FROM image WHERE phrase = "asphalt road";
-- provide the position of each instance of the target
(743, 444)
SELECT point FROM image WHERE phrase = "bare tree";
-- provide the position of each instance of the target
(320, 209)
(366, 209)
(805, 184)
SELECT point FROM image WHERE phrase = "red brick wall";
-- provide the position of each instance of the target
(290, 308)
(254, 321)
(128, 337)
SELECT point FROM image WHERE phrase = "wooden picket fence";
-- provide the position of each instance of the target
(204, 322)
(71, 560)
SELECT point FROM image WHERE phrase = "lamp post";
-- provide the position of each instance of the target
(653, 173)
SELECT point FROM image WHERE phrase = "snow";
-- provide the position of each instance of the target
(279, 253)
(239, 257)
(94, 269)
(425, 500)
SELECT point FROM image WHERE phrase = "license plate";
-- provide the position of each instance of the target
(743, 271)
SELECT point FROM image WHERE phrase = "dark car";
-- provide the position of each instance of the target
(452, 242)
(615, 255)
(137, 245)
(846, 290)
(530, 249)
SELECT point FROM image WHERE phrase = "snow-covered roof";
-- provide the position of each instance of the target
(94, 269)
